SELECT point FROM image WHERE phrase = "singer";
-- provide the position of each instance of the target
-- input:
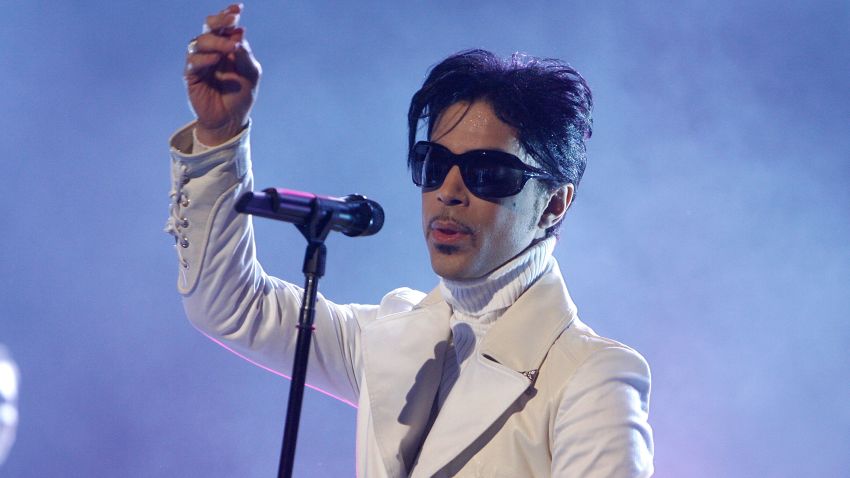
(492, 373)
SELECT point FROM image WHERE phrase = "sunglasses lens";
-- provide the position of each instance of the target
(487, 174)
(493, 177)
(430, 166)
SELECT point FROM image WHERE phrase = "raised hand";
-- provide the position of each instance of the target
(222, 77)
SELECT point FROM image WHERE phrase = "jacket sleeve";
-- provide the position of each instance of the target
(601, 427)
(226, 293)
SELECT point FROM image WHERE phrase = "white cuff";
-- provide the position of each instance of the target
(197, 146)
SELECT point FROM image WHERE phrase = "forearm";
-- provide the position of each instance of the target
(226, 293)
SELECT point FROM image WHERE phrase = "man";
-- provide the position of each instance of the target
(492, 373)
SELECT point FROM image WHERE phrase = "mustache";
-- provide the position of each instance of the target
(447, 218)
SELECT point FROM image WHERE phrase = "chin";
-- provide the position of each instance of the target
(453, 267)
(450, 274)
(447, 264)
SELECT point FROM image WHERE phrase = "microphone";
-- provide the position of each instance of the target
(352, 215)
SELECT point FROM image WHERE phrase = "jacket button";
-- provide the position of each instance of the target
(184, 243)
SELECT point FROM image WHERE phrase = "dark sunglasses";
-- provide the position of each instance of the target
(486, 173)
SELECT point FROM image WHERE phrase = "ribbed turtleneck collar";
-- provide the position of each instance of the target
(499, 289)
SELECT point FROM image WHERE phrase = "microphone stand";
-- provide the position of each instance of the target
(317, 223)
(315, 231)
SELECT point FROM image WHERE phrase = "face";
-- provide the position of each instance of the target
(468, 236)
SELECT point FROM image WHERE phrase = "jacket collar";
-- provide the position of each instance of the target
(521, 338)
(493, 381)
(403, 362)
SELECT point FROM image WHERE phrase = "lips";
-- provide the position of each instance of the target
(447, 231)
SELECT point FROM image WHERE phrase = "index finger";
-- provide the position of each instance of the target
(224, 20)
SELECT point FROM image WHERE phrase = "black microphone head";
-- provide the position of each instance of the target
(243, 201)
(371, 216)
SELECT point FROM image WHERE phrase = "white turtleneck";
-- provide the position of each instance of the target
(477, 304)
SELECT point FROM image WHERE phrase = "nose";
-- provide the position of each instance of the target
(453, 192)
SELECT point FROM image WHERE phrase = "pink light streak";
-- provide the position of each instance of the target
(278, 373)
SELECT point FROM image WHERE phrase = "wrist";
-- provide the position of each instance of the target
(215, 136)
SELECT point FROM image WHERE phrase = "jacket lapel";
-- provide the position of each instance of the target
(403, 362)
(521, 338)
(480, 396)
(510, 357)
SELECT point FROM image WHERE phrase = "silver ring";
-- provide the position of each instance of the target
(192, 48)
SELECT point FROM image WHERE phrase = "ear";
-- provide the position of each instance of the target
(559, 201)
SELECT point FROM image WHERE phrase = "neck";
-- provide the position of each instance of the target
(499, 289)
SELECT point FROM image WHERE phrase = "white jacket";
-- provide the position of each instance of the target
(545, 397)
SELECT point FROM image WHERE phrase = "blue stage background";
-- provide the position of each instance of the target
(711, 231)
